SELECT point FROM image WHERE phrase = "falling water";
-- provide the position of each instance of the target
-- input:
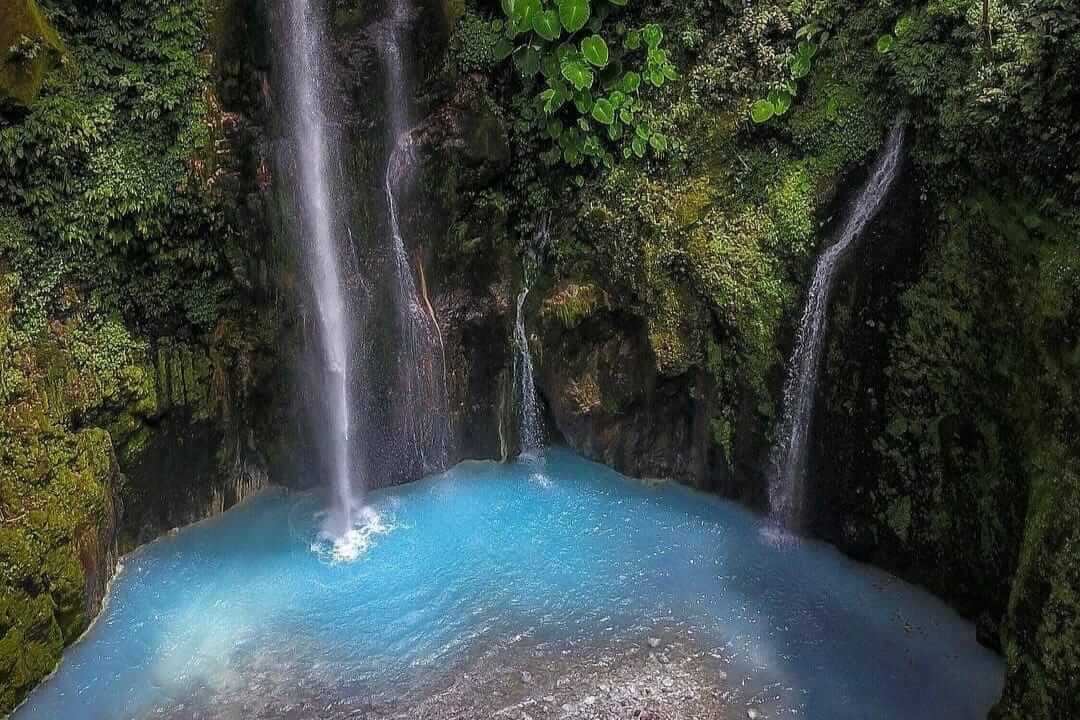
(530, 424)
(315, 199)
(529, 428)
(787, 485)
(422, 386)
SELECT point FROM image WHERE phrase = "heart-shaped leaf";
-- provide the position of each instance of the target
(595, 51)
(583, 101)
(653, 35)
(527, 61)
(502, 49)
(574, 14)
(885, 44)
(577, 71)
(519, 12)
(762, 111)
(781, 101)
(546, 24)
(800, 66)
(603, 112)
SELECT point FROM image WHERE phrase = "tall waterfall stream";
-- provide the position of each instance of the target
(316, 199)
(787, 485)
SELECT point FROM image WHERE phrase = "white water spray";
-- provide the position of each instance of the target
(789, 454)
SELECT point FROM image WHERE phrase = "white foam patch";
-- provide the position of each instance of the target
(777, 536)
(356, 541)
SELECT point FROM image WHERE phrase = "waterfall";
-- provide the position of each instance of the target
(530, 422)
(788, 459)
(530, 430)
(311, 184)
(421, 389)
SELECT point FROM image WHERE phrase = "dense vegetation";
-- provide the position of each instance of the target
(119, 291)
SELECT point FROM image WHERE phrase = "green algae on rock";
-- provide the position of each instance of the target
(29, 48)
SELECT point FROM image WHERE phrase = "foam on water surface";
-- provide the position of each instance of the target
(214, 620)
(354, 542)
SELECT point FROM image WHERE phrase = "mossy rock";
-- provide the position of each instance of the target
(30, 644)
(29, 47)
(1042, 632)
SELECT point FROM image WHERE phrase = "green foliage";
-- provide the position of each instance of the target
(474, 42)
(579, 89)
(975, 90)
(810, 38)
(109, 165)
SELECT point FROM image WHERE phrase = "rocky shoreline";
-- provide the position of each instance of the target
(658, 676)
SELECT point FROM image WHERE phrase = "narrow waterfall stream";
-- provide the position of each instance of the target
(421, 385)
(315, 201)
(530, 423)
(787, 484)
(529, 428)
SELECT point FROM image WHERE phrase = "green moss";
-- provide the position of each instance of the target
(571, 303)
(29, 47)
(30, 643)
(57, 483)
(1042, 633)
(691, 204)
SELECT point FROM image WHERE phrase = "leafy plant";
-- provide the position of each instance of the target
(810, 38)
(584, 89)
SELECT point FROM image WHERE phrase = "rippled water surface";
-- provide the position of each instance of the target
(248, 606)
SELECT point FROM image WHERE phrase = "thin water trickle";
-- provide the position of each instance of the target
(315, 199)
(787, 485)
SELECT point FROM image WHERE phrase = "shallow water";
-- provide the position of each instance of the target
(224, 615)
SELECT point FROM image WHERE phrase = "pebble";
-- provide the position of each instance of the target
(752, 714)
(654, 642)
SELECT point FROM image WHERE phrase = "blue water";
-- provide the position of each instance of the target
(206, 621)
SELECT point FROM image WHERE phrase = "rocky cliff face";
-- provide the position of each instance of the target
(948, 388)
